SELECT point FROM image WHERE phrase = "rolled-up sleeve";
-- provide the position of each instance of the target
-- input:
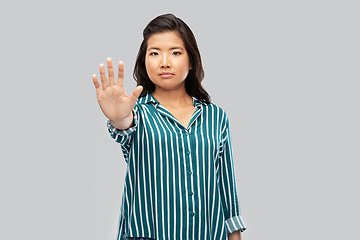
(124, 137)
(228, 190)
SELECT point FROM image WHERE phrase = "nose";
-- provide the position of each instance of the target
(165, 63)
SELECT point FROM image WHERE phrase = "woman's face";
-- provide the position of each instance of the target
(166, 61)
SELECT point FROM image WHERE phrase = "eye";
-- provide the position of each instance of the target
(153, 54)
(176, 53)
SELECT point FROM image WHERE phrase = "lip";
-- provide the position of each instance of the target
(166, 75)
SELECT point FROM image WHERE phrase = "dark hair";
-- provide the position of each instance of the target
(163, 23)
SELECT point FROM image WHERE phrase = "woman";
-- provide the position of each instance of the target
(180, 181)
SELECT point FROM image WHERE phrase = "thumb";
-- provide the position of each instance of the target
(135, 95)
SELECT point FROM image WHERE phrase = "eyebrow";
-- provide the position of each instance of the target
(173, 48)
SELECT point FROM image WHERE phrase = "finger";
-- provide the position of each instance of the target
(135, 95)
(104, 82)
(96, 83)
(111, 72)
(120, 80)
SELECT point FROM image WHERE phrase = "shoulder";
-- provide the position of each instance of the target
(215, 109)
(216, 115)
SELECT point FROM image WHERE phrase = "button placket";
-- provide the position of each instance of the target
(188, 153)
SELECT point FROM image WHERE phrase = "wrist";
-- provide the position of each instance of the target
(124, 123)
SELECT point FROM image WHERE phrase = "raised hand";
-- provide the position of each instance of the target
(114, 102)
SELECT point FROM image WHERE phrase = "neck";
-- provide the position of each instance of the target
(172, 98)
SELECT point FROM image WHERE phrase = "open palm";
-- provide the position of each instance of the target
(114, 102)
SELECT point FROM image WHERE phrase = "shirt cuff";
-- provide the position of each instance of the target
(234, 224)
(116, 133)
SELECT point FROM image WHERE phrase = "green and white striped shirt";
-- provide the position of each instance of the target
(180, 182)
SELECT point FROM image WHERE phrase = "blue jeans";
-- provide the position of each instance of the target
(134, 238)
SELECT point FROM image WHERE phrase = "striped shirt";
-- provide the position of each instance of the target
(180, 182)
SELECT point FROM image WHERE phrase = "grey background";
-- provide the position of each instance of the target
(286, 73)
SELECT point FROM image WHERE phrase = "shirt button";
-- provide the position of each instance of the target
(189, 172)
(187, 133)
(192, 214)
(191, 193)
(188, 152)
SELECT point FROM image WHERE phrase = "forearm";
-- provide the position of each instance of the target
(123, 124)
(235, 235)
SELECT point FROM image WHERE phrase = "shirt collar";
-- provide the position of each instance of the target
(149, 98)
